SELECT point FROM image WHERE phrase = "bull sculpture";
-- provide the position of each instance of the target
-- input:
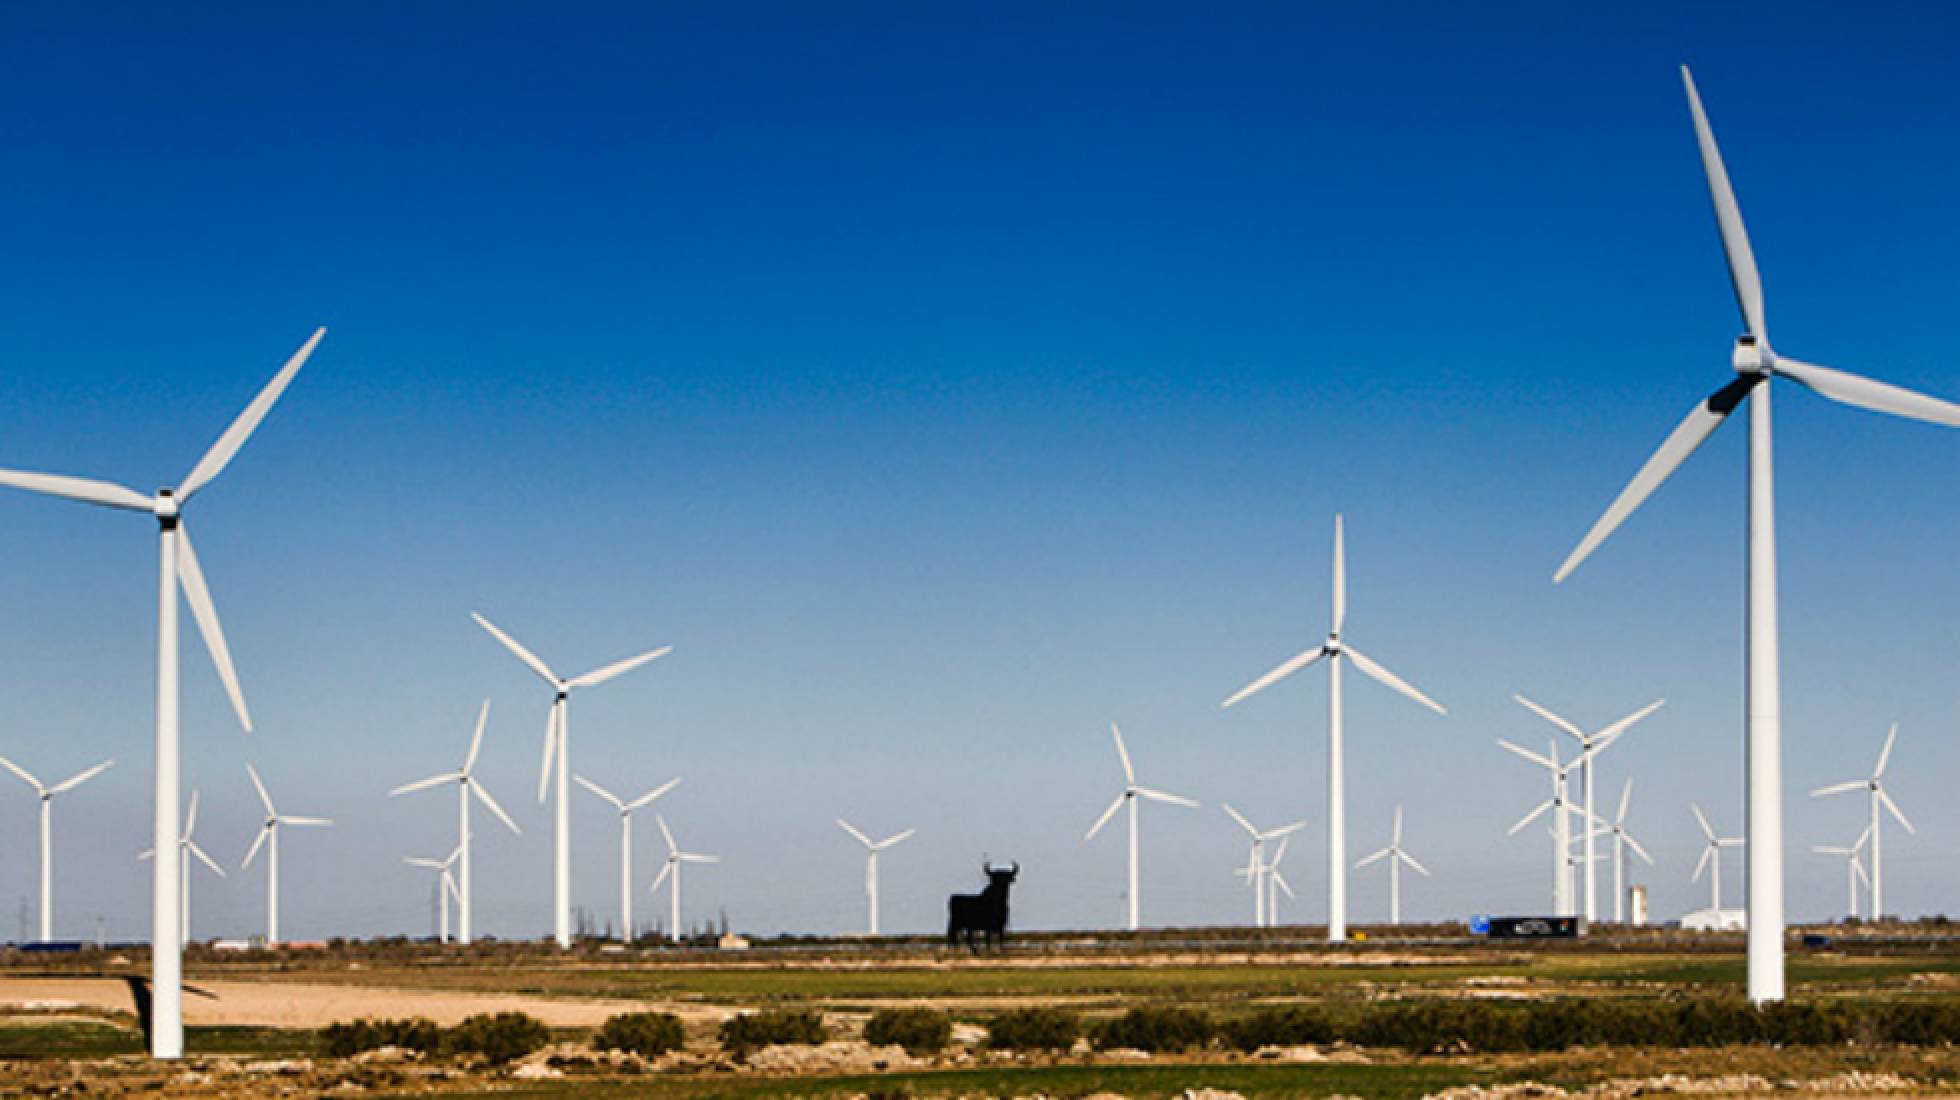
(984, 913)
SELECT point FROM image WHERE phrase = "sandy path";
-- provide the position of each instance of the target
(300, 1005)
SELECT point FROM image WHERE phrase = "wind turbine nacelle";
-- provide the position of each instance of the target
(1751, 357)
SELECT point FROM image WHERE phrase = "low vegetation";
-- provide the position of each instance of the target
(1159, 1029)
(497, 1037)
(920, 1031)
(1034, 1029)
(647, 1034)
(350, 1037)
(774, 1027)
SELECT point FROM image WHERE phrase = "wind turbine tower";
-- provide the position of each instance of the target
(47, 831)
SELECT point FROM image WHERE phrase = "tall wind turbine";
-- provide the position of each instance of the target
(445, 888)
(1711, 857)
(871, 850)
(1876, 786)
(1336, 651)
(1395, 857)
(467, 784)
(186, 848)
(1128, 796)
(557, 741)
(1560, 805)
(1591, 745)
(1755, 364)
(1256, 859)
(1622, 839)
(1854, 869)
(177, 565)
(672, 869)
(269, 836)
(47, 831)
(626, 845)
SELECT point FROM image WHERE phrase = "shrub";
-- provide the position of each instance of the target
(760, 1029)
(347, 1038)
(918, 1030)
(1157, 1028)
(1033, 1029)
(1284, 1026)
(644, 1033)
(498, 1038)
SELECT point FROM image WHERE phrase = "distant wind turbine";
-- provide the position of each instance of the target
(1711, 857)
(626, 844)
(1561, 807)
(186, 848)
(177, 567)
(1395, 856)
(1128, 796)
(1622, 839)
(445, 888)
(467, 784)
(269, 836)
(1854, 869)
(557, 740)
(672, 869)
(1876, 786)
(1591, 745)
(871, 850)
(1256, 859)
(1336, 651)
(47, 830)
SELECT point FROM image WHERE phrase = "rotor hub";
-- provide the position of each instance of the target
(1751, 356)
(164, 504)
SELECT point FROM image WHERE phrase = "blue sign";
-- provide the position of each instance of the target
(1480, 925)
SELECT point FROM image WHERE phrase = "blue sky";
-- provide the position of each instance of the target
(943, 383)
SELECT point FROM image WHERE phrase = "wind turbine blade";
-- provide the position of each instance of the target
(1578, 734)
(1529, 818)
(455, 892)
(80, 778)
(525, 655)
(1885, 754)
(425, 784)
(1829, 850)
(1701, 865)
(1283, 830)
(1165, 796)
(693, 857)
(666, 834)
(1366, 664)
(85, 489)
(1612, 733)
(476, 739)
(1896, 812)
(1129, 772)
(1243, 823)
(1735, 239)
(653, 794)
(1114, 805)
(598, 790)
(1862, 838)
(259, 785)
(1411, 861)
(1286, 668)
(550, 745)
(306, 822)
(1279, 853)
(483, 795)
(853, 830)
(1372, 857)
(205, 858)
(1840, 788)
(1687, 436)
(253, 851)
(1706, 829)
(895, 839)
(221, 452)
(22, 772)
(1541, 761)
(1398, 827)
(1858, 869)
(206, 614)
(666, 869)
(1340, 575)
(1626, 796)
(190, 818)
(1867, 393)
(1637, 849)
(601, 675)
(431, 864)
(1279, 880)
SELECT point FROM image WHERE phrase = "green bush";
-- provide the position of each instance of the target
(749, 1030)
(918, 1030)
(1034, 1029)
(1157, 1028)
(1284, 1026)
(1914, 1023)
(350, 1037)
(644, 1033)
(498, 1038)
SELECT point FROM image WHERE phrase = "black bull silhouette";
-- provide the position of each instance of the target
(984, 913)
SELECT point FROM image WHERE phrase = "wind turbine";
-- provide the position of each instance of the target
(47, 831)
(1395, 857)
(626, 845)
(1560, 803)
(1755, 364)
(1276, 882)
(270, 832)
(177, 565)
(557, 739)
(1622, 839)
(871, 850)
(1711, 857)
(1259, 839)
(1854, 869)
(445, 887)
(1591, 745)
(1336, 651)
(466, 785)
(186, 848)
(672, 868)
(1129, 795)
(1875, 785)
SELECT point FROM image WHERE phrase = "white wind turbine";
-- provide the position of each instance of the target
(626, 845)
(1854, 869)
(557, 741)
(1395, 857)
(1275, 881)
(186, 848)
(1560, 804)
(1255, 860)
(445, 887)
(1711, 857)
(47, 831)
(871, 850)
(177, 565)
(1876, 786)
(672, 869)
(1591, 745)
(1129, 795)
(466, 784)
(1754, 364)
(1622, 840)
(269, 832)
(1336, 651)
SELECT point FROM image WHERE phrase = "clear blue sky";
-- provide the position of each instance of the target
(944, 382)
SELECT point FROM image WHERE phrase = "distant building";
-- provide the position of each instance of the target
(1637, 905)
(1716, 920)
